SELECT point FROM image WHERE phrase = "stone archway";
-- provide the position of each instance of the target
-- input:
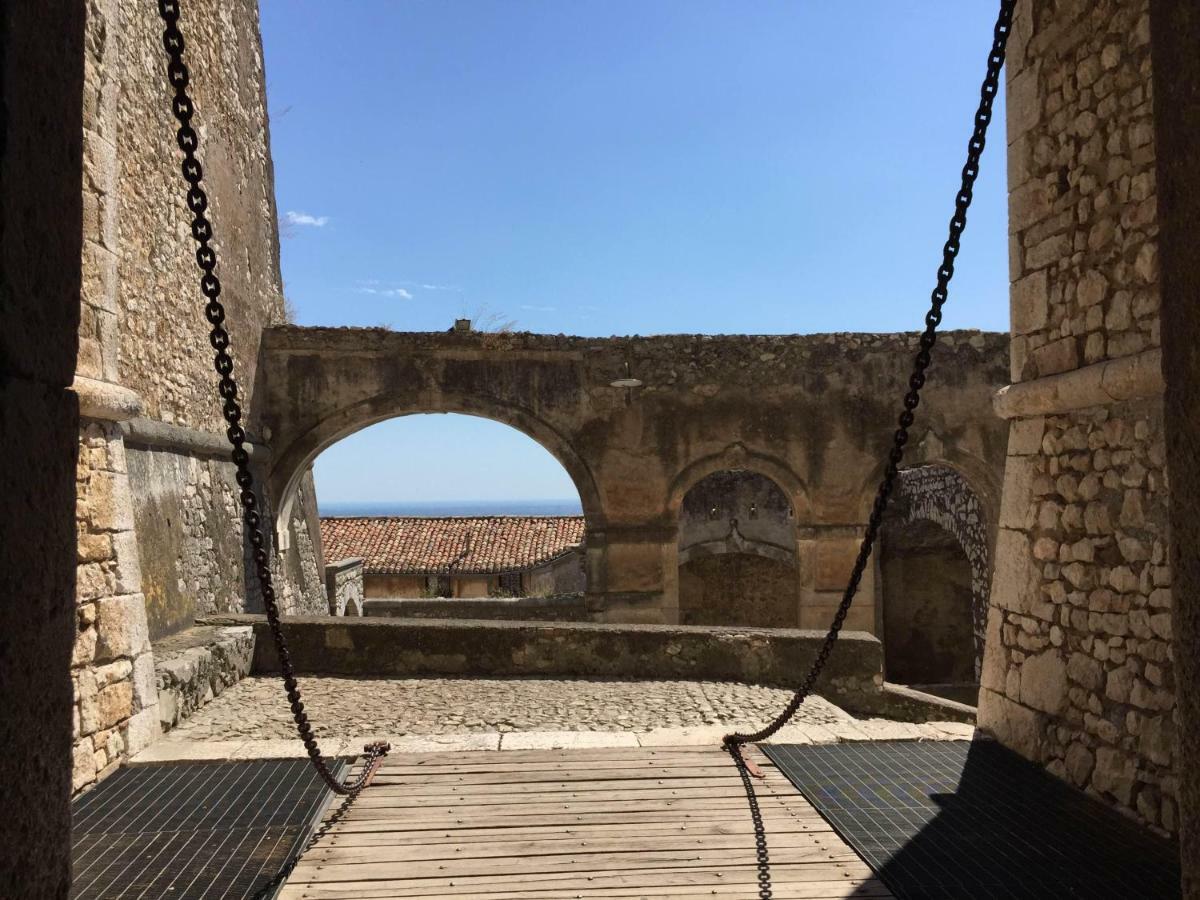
(939, 520)
(289, 468)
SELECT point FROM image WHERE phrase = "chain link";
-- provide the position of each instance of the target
(916, 381)
(214, 311)
(762, 856)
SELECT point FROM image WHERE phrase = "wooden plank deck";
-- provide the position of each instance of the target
(540, 825)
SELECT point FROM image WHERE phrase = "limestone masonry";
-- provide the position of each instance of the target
(1078, 668)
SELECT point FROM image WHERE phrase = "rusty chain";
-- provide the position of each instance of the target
(916, 381)
(214, 311)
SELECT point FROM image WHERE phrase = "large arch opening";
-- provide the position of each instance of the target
(737, 552)
(466, 509)
(935, 570)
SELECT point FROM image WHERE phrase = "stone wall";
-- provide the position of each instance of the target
(562, 575)
(739, 589)
(164, 352)
(405, 648)
(190, 538)
(112, 668)
(1078, 671)
(159, 531)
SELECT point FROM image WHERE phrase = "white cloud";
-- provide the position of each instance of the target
(439, 287)
(302, 218)
(400, 292)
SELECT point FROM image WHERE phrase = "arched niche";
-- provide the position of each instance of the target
(738, 563)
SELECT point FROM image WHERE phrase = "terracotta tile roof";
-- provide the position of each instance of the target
(420, 545)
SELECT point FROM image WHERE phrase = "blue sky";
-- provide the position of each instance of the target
(618, 168)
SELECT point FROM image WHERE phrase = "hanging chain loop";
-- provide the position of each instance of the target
(916, 381)
(210, 286)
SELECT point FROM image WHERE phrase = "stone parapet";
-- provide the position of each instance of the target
(377, 647)
(194, 666)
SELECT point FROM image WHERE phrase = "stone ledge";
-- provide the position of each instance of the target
(1111, 381)
(384, 647)
(105, 401)
(515, 741)
(156, 435)
(912, 705)
(194, 666)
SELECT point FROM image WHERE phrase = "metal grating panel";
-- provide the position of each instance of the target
(192, 830)
(962, 819)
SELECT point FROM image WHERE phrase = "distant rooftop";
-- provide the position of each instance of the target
(420, 545)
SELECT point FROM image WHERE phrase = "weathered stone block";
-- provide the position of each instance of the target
(107, 504)
(1079, 764)
(83, 765)
(1085, 671)
(1014, 725)
(1016, 506)
(141, 730)
(145, 691)
(114, 704)
(1114, 774)
(1014, 583)
(1025, 436)
(121, 627)
(1057, 356)
(1044, 682)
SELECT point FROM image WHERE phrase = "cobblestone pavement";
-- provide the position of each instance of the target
(256, 709)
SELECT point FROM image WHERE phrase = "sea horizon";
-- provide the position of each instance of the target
(440, 508)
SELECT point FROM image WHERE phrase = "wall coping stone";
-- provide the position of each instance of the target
(1111, 381)
(343, 564)
(468, 608)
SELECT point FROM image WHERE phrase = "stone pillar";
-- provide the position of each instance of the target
(41, 78)
(1077, 671)
(1175, 35)
(827, 557)
(112, 669)
(633, 574)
